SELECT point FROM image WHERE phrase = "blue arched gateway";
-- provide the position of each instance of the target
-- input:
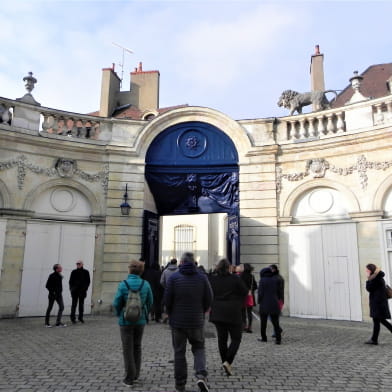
(192, 168)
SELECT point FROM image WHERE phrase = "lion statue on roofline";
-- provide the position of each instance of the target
(296, 101)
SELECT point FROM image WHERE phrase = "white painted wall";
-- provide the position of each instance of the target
(209, 237)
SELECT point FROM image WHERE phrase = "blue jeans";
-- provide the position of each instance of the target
(195, 336)
(131, 338)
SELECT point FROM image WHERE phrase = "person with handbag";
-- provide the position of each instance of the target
(226, 311)
(378, 301)
(250, 283)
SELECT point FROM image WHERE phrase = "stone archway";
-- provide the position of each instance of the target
(192, 168)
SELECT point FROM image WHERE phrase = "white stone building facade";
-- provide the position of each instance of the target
(315, 197)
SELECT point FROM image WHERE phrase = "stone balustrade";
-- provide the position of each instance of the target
(70, 124)
(49, 121)
(312, 126)
(351, 118)
(382, 111)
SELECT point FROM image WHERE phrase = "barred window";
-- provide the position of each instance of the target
(183, 240)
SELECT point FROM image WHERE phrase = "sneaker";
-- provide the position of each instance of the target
(127, 383)
(227, 368)
(61, 325)
(262, 340)
(48, 326)
(180, 388)
(201, 383)
(370, 341)
(81, 321)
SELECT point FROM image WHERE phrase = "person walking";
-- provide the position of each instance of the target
(276, 272)
(152, 275)
(132, 332)
(54, 285)
(226, 312)
(170, 269)
(251, 284)
(188, 297)
(79, 282)
(268, 294)
(378, 301)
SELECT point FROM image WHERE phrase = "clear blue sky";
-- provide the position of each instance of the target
(233, 56)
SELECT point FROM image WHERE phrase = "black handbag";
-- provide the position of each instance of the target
(388, 290)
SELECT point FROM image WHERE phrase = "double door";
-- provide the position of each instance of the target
(49, 243)
(324, 272)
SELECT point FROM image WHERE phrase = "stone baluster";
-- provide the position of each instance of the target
(302, 129)
(320, 126)
(313, 132)
(389, 111)
(55, 126)
(5, 114)
(340, 122)
(290, 130)
(96, 130)
(330, 124)
(378, 117)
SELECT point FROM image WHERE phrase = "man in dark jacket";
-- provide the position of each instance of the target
(54, 285)
(268, 296)
(79, 282)
(188, 296)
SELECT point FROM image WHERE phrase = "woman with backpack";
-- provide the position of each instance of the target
(132, 301)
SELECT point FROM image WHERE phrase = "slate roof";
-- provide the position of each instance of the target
(373, 85)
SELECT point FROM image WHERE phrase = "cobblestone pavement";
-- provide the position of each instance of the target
(315, 355)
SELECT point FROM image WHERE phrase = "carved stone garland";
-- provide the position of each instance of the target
(317, 167)
(63, 168)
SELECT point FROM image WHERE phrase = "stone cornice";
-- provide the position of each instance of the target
(19, 212)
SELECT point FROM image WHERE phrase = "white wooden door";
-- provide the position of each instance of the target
(76, 243)
(342, 284)
(47, 244)
(3, 225)
(324, 272)
(306, 272)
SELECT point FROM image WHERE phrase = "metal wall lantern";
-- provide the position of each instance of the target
(125, 207)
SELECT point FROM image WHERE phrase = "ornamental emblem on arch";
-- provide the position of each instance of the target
(192, 142)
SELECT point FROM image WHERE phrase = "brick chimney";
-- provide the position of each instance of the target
(110, 88)
(317, 71)
(145, 89)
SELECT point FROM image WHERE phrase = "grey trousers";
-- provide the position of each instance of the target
(195, 336)
(131, 338)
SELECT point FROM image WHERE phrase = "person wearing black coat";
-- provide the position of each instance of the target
(268, 298)
(152, 275)
(79, 282)
(378, 301)
(226, 311)
(251, 284)
(54, 285)
(188, 297)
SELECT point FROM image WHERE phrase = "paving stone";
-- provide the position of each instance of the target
(315, 356)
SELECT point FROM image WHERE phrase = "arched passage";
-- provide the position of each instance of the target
(192, 168)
